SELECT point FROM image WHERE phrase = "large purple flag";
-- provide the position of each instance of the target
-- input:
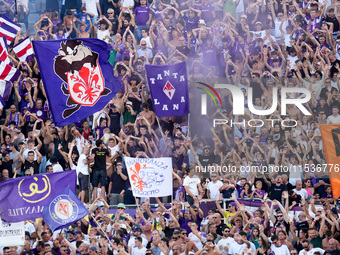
(169, 89)
(77, 76)
(24, 198)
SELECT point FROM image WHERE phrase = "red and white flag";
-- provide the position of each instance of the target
(8, 73)
(8, 28)
(3, 51)
(24, 50)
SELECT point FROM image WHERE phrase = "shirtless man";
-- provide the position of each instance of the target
(293, 112)
(14, 116)
(68, 20)
(257, 66)
(82, 32)
(149, 115)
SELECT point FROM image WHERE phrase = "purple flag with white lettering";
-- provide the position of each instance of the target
(24, 198)
(169, 89)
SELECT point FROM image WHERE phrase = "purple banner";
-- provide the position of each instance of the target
(169, 89)
(24, 198)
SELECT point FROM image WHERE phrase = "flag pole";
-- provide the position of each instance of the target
(160, 128)
(101, 229)
(16, 9)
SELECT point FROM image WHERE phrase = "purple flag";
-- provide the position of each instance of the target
(77, 76)
(169, 89)
(24, 198)
(63, 210)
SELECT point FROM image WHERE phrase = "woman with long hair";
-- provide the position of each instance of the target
(246, 192)
(263, 242)
(255, 236)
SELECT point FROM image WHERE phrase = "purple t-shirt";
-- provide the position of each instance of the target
(239, 189)
(209, 55)
(262, 192)
(206, 12)
(191, 23)
(41, 114)
(142, 15)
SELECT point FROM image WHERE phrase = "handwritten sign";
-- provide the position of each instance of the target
(12, 234)
(150, 177)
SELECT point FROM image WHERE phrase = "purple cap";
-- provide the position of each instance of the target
(26, 94)
(233, 204)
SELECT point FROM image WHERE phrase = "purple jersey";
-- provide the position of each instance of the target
(207, 12)
(191, 23)
(142, 15)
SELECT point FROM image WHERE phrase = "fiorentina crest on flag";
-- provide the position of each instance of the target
(169, 89)
(63, 210)
(77, 76)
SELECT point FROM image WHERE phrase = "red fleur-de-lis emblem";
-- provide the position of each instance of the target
(86, 86)
(63, 208)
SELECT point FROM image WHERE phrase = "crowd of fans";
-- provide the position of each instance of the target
(256, 43)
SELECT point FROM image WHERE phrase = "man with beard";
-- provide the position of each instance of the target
(14, 116)
(226, 241)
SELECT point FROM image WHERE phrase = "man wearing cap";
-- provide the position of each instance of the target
(120, 214)
(117, 184)
(232, 210)
(93, 250)
(129, 113)
(136, 233)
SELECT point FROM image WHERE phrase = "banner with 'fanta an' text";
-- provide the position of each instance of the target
(150, 177)
(24, 198)
(331, 145)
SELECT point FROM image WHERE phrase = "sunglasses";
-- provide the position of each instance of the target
(143, 44)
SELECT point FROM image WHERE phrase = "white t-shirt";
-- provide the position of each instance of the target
(57, 168)
(136, 251)
(282, 250)
(277, 27)
(82, 167)
(192, 237)
(311, 252)
(91, 6)
(225, 243)
(25, 154)
(101, 35)
(333, 120)
(302, 193)
(236, 248)
(192, 184)
(29, 227)
(127, 3)
(132, 241)
(147, 40)
(213, 189)
(114, 149)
